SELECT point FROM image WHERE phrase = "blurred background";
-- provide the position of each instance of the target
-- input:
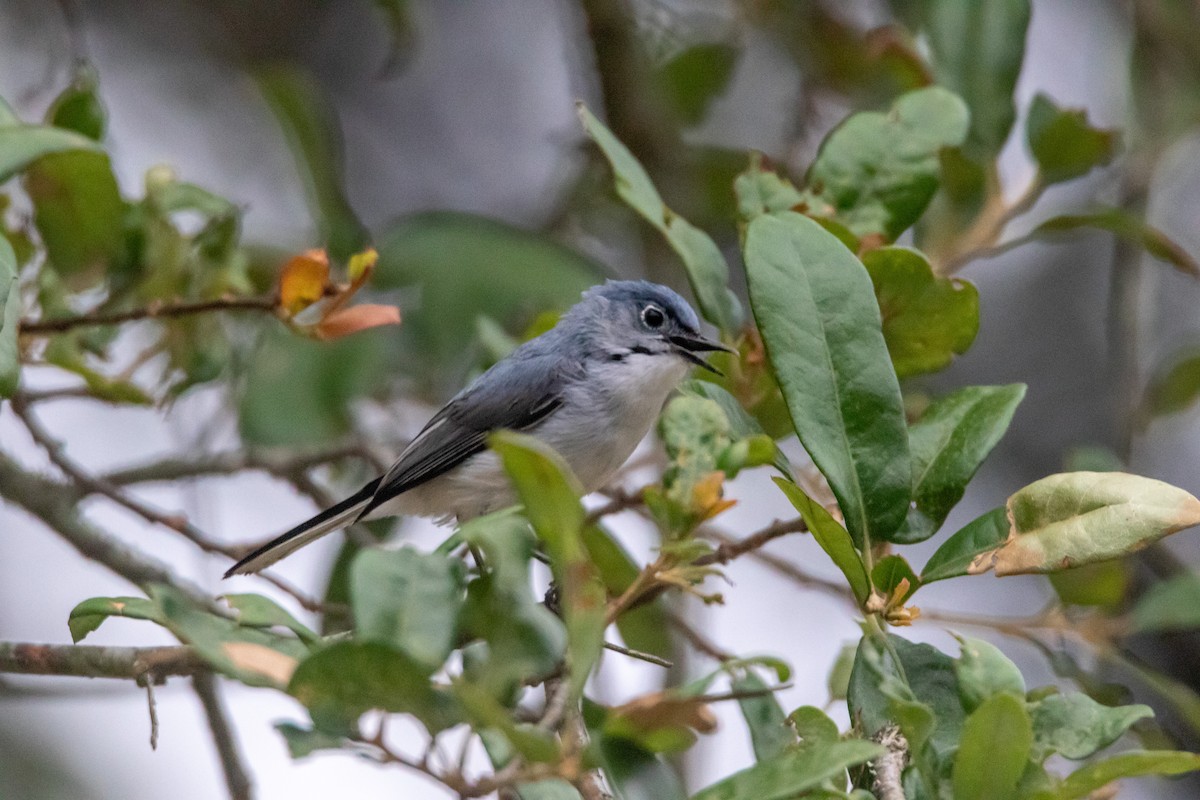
(445, 132)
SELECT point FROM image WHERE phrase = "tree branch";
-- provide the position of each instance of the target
(236, 780)
(86, 661)
(158, 310)
(889, 767)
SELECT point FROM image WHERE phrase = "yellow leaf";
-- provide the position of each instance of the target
(346, 321)
(303, 281)
(361, 264)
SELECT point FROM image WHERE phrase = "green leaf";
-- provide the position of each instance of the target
(303, 742)
(696, 76)
(977, 49)
(812, 725)
(10, 320)
(1175, 390)
(348, 678)
(1170, 605)
(1123, 225)
(79, 213)
(78, 107)
(644, 628)
(995, 747)
(1102, 584)
(838, 680)
(533, 743)
(256, 611)
(877, 172)
(816, 310)
(762, 191)
(890, 573)
(23, 145)
(633, 772)
(741, 424)
(1076, 726)
(706, 267)
(927, 320)
(90, 614)
(949, 443)
(310, 126)
(832, 537)
(1082, 517)
(550, 495)
(792, 772)
(769, 732)
(983, 672)
(1063, 144)
(955, 556)
(409, 600)
(1085, 780)
(501, 752)
(438, 255)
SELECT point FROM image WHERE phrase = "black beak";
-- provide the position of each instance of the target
(688, 346)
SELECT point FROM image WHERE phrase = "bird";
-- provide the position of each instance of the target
(591, 387)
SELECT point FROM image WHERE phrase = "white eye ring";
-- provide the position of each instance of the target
(653, 316)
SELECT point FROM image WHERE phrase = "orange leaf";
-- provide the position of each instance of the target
(346, 321)
(303, 280)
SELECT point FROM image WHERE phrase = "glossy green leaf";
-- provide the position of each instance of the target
(927, 320)
(79, 213)
(91, 613)
(813, 725)
(816, 310)
(1085, 780)
(995, 747)
(891, 573)
(792, 772)
(832, 537)
(1076, 726)
(977, 49)
(1102, 584)
(696, 76)
(437, 254)
(955, 556)
(345, 679)
(10, 320)
(1175, 390)
(1122, 224)
(23, 145)
(550, 494)
(706, 267)
(644, 628)
(770, 735)
(311, 129)
(1169, 605)
(409, 600)
(1063, 144)
(256, 611)
(949, 443)
(983, 672)
(877, 172)
(1082, 517)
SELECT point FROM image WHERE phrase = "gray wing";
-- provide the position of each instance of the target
(516, 394)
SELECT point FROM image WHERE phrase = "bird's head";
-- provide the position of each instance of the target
(627, 318)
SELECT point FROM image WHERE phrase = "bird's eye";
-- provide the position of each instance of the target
(653, 316)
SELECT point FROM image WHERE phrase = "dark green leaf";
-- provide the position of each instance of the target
(311, 129)
(977, 49)
(1076, 726)
(256, 611)
(792, 772)
(1169, 605)
(439, 253)
(1083, 517)
(983, 671)
(706, 267)
(1063, 144)
(302, 742)
(1124, 225)
(643, 628)
(892, 572)
(877, 172)
(994, 750)
(816, 310)
(345, 679)
(838, 681)
(927, 320)
(812, 725)
(957, 553)
(78, 107)
(634, 773)
(1175, 390)
(10, 320)
(695, 77)
(1085, 780)
(1102, 584)
(550, 494)
(769, 731)
(79, 213)
(409, 600)
(23, 145)
(90, 614)
(949, 444)
(832, 537)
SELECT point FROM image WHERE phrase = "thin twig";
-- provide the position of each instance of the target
(639, 655)
(697, 640)
(619, 500)
(88, 661)
(236, 780)
(152, 708)
(729, 549)
(157, 310)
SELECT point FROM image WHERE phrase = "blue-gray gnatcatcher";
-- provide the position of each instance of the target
(590, 388)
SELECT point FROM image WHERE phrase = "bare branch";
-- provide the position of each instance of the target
(236, 780)
(731, 549)
(889, 767)
(86, 661)
(282, 462)
(157, 310)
